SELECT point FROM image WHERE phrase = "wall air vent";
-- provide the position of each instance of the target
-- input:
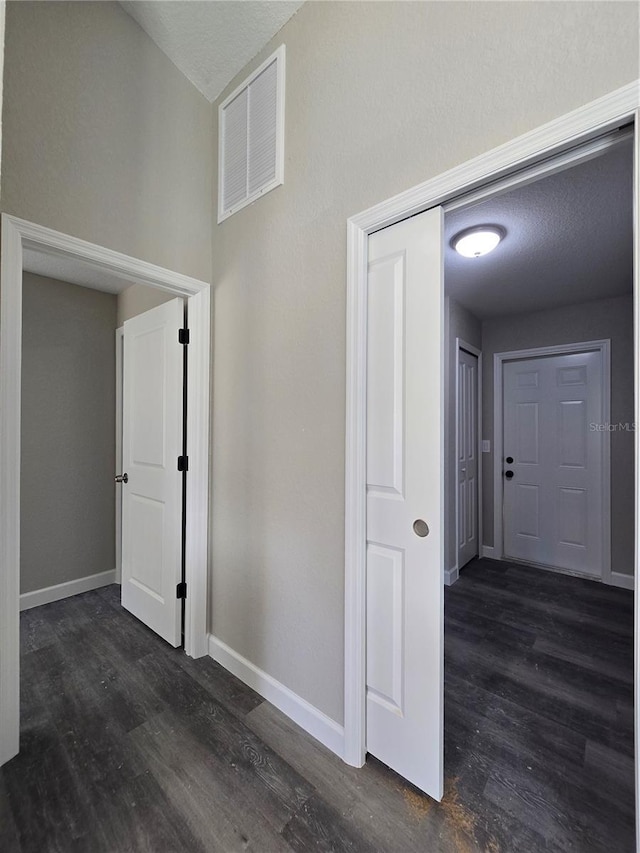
(251, 137)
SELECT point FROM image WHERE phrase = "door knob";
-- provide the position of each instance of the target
(420, 527)
(508, 475)
(122, 478)
(509, 460)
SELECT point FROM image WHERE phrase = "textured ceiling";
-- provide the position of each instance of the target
(569, 239)
(210, 41)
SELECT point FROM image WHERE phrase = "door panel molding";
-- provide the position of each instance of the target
(18, 235)
(570, 130)
(499, 359)
(463, 345)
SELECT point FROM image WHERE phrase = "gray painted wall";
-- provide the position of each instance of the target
(67, 524)
(380, 96)
(139, 298)
(103, 137)
(603, 318)
(459, 323)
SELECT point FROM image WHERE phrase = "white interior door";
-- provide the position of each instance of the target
(467, 455)
(151, 445)
(553, 461)
(404, 496)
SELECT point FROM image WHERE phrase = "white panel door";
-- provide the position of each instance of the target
(404, 486)
(553, 461)
(467, 463)
(151, 445)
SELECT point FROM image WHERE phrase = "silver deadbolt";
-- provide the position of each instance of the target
(122, 478)
(420, 527)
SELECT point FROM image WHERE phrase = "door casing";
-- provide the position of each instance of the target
(463, 345)
(555, 139)
(499, 359)
(17, 235)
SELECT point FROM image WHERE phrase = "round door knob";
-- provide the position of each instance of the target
(509, 460)
(420, 527)
(508, 475)
(122, 478)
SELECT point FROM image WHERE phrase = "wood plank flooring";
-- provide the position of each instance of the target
(128, 745)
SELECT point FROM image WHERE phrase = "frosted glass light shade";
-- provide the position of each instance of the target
(474, 242)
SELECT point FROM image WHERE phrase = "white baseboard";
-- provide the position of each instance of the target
(489, 552)
(65, 590)
(451, 576)
(308, 717)
(622, 580)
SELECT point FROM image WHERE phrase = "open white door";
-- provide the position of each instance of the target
(467, 457)
(151, 445)
(404, 500)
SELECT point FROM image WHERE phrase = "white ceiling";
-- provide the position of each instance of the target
(569, 239)
(73, 270)
(210, 41)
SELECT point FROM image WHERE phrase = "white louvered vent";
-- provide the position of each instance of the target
(251, 137)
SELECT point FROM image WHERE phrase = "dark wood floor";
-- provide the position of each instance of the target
(127, 745)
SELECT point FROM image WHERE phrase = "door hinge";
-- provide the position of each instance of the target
(183, 336)
(181, 590)
(183, 463)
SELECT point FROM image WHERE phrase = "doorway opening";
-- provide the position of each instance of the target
(548, 149)
(539, 625)
(34, 249)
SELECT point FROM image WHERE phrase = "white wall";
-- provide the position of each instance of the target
(380, 96)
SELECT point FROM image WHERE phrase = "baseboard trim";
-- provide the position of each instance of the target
(65, 590)
(622, 580)
(451, 576)
(308, 717)
(489, 552)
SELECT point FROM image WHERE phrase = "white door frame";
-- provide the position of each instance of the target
(560, 135)
(18, 234)
(463, 345)
(119, 402)
(499, 359)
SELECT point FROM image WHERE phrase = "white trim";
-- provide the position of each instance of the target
(16, 235)
(118, 489)
(306, 715)
(65, 590)
(622, 580)
(451, 576)
(489, 552)
(196, 557)
(463, 345)
(555, 137)
(636, 550)
(279, 56)
(499, 358)
(544, 169)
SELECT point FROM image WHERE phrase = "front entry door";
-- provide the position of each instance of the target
(467, 461)
(151, 444)
(404, 500)
(553, 461)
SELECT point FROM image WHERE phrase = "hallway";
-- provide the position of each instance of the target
(127, 745)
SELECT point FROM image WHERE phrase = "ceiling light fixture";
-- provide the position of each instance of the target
(473, 242)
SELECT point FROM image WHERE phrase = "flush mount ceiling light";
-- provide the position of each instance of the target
(473, 242)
